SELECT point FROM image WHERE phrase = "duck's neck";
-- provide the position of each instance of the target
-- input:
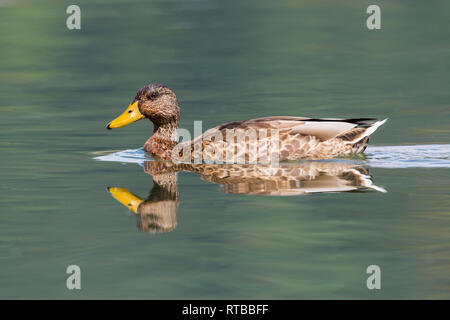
(163, 140)
(167, 131)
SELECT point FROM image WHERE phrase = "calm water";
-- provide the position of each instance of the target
(233, 61)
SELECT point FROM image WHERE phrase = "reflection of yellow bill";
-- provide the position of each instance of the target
(131, 114)
(125, 197)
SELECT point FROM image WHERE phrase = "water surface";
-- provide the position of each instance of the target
(226, 61)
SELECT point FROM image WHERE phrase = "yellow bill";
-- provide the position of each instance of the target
(130, 115)
(125, 197)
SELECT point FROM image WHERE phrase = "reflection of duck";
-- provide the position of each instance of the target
(288, 179)
(298, 137)
(159, 212)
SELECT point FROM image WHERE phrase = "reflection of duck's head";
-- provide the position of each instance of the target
(155, 102)
(157, 214)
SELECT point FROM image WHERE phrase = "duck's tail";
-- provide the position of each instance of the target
(367, 132)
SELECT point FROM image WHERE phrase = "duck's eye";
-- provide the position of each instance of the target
(152, 95)
(130, 111)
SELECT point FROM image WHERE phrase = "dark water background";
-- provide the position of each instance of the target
(226, 61)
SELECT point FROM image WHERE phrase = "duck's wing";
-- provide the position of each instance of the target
(322, 128)
(299, 138)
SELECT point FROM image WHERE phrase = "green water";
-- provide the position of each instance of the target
(226, 61)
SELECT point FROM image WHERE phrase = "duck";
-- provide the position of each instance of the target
(296, 138)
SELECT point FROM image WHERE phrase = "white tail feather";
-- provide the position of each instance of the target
(368, 131)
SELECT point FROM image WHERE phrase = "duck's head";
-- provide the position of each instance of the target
(156, 102)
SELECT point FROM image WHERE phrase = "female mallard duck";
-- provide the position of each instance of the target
(297, 137)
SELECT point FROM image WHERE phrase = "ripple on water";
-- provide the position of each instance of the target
(414, 156)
